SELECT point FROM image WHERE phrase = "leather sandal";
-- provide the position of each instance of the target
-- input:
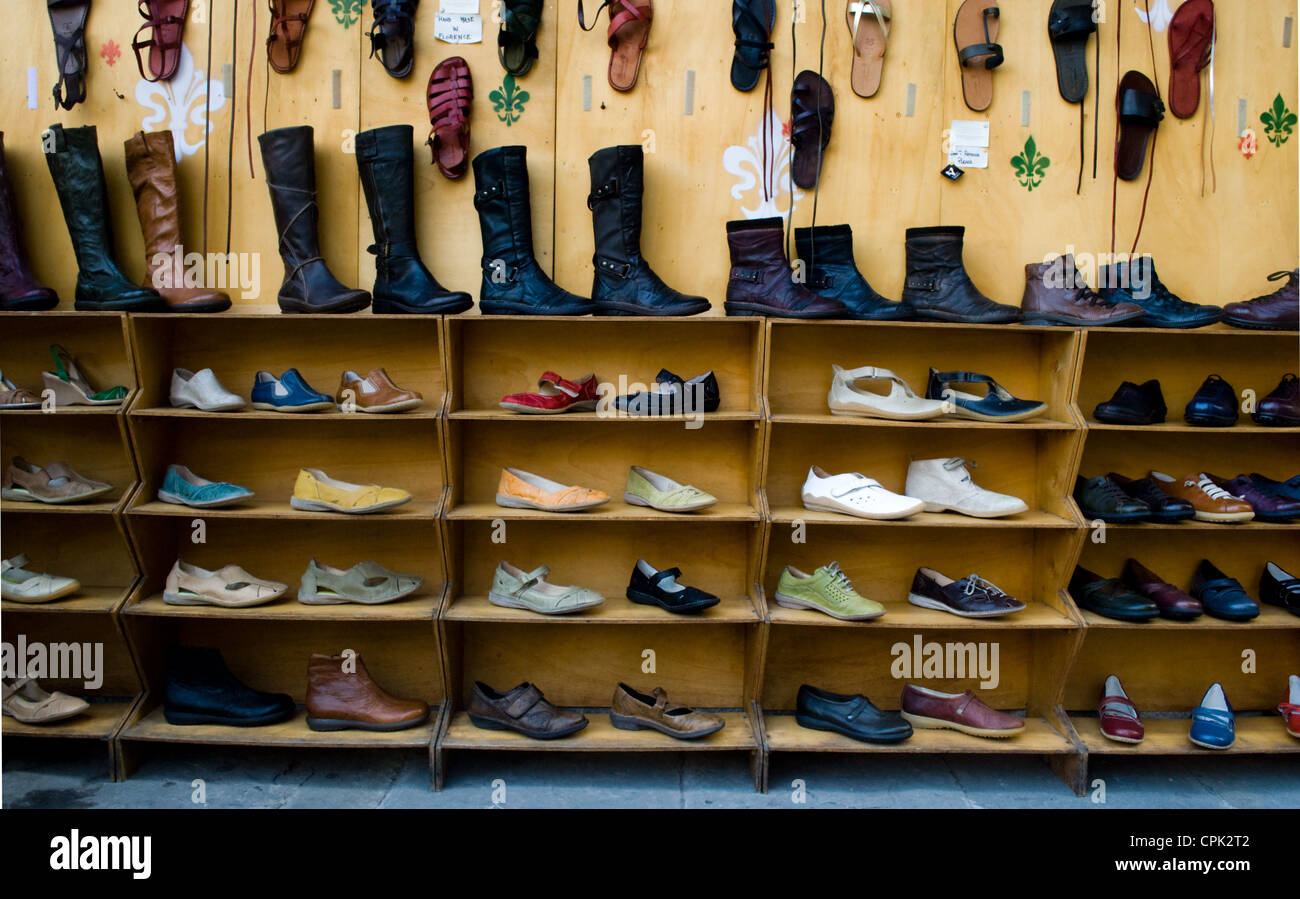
(1140, 111)
(288, 27)
(450, 92)
(165, 22)
(752, 21)
(392, 35)
(1069, 25)
(812, 107)
(68, 21)
(974, 31)
(517, 39)
(869, 27)
(629, 31)
(1191, 35)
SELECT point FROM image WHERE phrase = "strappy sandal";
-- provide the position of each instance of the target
(517, 39)
(165, 22)
(393, 34)
(752, 21)
(977, 19)
(812, 107)
(288, 28)
(629, 32)
(68, 22)
(869, 27)
(1191, 34)
(450, 92)
(71, 387)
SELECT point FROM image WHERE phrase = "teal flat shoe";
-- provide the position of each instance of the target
(184, 488)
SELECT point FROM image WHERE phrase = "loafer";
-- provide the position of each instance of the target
(857, 495)
(522, 709)
(970, 597)
(827, 590)
(1100, 498)
(519, 489)
(365, 583)
(1164, 508)
(853, 716)
(200, 689)
(645, 488)
(374, 394)
(315, 491)
(1277, 587)
(1135, 281)
(632, 710)
(848, 396)
(1214, 405)
(55, 484)
(555, 395)
(1285, 489)
(27, 702)
(1267, 506)
(930, 709)
(652, 587)
(230, 587)
(1133, 404)
(996, 405)
(1290, 708)
(1110, 598)
(1281, 408)
(1222, 596)
(183, 487)
(1117, 714)
(201, 390)
(19, 585)
(514, 588)
(1213, 724)
(1173, 603)
(1210, 502)
(945, 485)
(1277, 311)
(673, 395)
(288, 393)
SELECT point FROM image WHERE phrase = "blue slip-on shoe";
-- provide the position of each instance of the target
(1222, 596)
(288, 393)
(184, 488)
(1213, 724)
(996, 405)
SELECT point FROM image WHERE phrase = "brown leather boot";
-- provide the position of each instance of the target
(151, 167)
(1055, 294)
(762, 282)
(1277, 311)
(338, 700)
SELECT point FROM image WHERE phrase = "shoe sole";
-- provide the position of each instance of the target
(187, 719)
(608, 309)
(493, 724)
(926, 602)
(1197, 742)
(51, 719)
(401, 406)
(582, 406)
(507, 602)
(818, 506)
(1223, 517)
(936, 316)
(973, 513)
(1114, 518)
(121, 306)
(1209, 421)
(178, 500)
(297, 307)
(850, 412)
(314, 505)
(633, 500)
(1052, 318)
(1269, 420)
(925, 723)
(514, 502)
(19, 495)
(310, 407)
(227, 407)
(1128, 740)
(752, 310)
(818, 724)
(35, 600)
(961, 412)
(489, 307)
(627, 722)
(196, 599)
(388, 307)
(1257, 326)
(646, 599)
(1177, 326)
(790, 602)
(331, 724)
(1127, 420)
(311, 598)
(1120, 616)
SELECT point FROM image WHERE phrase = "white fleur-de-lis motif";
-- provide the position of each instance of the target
(178, 104)
(747, 164)
(1160, 15)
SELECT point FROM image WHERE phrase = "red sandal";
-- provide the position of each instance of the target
(450, 91)
(629, 31)
(165, 21)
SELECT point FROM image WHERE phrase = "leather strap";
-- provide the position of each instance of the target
(660, 576)
(751, 276)
(1071, 23)
(606, 191)
(1139, 106)
(988, 49)
(522, 704)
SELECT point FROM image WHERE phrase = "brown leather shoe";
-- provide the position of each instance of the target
(522, 709)
(762, 282)
(341, 700)
(1211, 502)
(1277, 311)
(1056, 294)
(56, 484)
(926, 708)
(636, 711)
(376, 393)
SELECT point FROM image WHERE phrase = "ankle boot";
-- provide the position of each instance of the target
(1134, 281)
(827, 252)
(1056, 294)
(350, 700)
(151, 168)
(385, 158)
(19, 289)
(78, 177)
(624, 283)
(937, 286)
(513, 282)
(309, 285)
(200, 689)
(761, 282)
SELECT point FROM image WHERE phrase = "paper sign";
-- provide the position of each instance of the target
(969, 134)
(458, 29)
(968, 157)
(460, 7)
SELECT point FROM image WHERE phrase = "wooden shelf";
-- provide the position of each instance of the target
(292, 732)
(905, 616)
(421, 606)
(1243, 428)
(90, 599)
(1270, 618)
(99, 722)
(92, 411)
(614, 610)
(425, 412)
(1201, 526)
(601, 736)
(614, 510)
(1031, 519)
(1033, 424)
(680, 420)
(784, 734)
(271, 509)
(100, 508)
(1168, 736)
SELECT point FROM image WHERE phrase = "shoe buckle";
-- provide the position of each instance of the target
(917, 282)
(752, 277)
(620, 269)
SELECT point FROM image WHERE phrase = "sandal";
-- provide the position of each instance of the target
(752, 21)
(14, 397)
(978, 57)
(71, 388)
(517, 39)
(393, 32)
(449, 94)
(1191, 35)
(812, 111)
(165, 21)
(288, 27)
(1069, 25)
(629, 31)
(68, 21)
(869, 26)
(1140, 111)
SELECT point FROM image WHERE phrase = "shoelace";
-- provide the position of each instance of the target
(959, 462)
(1111, 490)
(1212, 490)
(974, 582)
(840, 588)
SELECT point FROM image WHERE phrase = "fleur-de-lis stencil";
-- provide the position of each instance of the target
(1278, 121)
(1030, 166)
(178, 104)
(1160, 15)
(508, 101)
(747, 165)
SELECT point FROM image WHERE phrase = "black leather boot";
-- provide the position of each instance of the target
(200, 689)
(513, 282)
(624, 283)
(937, 286)
(309, 286)
(19, 289)
(78, 177)
(827, 252)
(385, 157)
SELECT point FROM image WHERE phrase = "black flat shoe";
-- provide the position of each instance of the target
(674, 396)
(853, 716)
(650, 587)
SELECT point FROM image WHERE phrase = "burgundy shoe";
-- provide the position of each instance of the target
(1268, 507)
(1278, 311)
(1173, 603)
(761, 281)
(1118, 715)
(1281, 408)
(931, 709)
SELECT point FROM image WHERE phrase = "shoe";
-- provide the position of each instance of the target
(996, 405)
(392, 35)
(555, 395)
(1213, 724)
(365, 583)
(761, 281)
(812, 118)
(14, 397)
(1284, 489)
(1290, 709)
(900, 404)
(525, 490)
(1101, 499)
(857, 495)
(1210, 501)
(1110, 598)
(827, 590)
(514, 588)
(632, 710)
(1281, 408)
(375, 394)
(964, 712)
(1279, 588)
(945, 485)
(1056, 294)
(524, 710)
(1133, 404)
(645, 488)
(1222, 596)
(286, 32)
(19, 585)
(184, 488)
(230, 587)
(1173, 603)
(1164, 508)
(937, 286)
(1136, 282)
(1267, 507)
(827, 254)
(1117, 714)
(1213, 406)
(288, 393)
(342, 696)
(200, 689)
(27, 702)
(674, 396)
(71, 388)
(19, 288)
(449, 99)
(315, 491)
(1278, 311)
(56, 484)
(201, 390)
(853, 716)
(652, 587)
(970, 597)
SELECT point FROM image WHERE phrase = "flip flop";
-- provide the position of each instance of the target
(1069, 25)
(812, 107)
(629, 31)
(974, 32)
(451, 90)
(1191, 31)
(285, 36)
(517, 39)
(68, 21)
(752, 21)
(165, 21)
(1140, 111)
(869, 26)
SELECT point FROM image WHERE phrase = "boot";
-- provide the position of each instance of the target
(385, 158)
(624, 283)
(1277, 311)
(513, 282)
(19, 289)
(309, 285)
(151, 168)
(827, 251)
(937, 286)
(761, 282)
(339, 699)
(200, 689)
(1135, 281)
(78, 177)
(1056, 294)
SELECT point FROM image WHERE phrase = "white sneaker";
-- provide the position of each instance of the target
(18, 585)
(857, 495)
(202, 391)
(945, 485)
(900, 404)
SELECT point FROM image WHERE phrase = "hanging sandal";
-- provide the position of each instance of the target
(517, 39)
(1191, 32)
(869, 26)
(1140, 111)
(449, 94)
(812, 106)
(393, 35)
(976, 20)
(68, 21)
(70, 386)
(752, 21)
(1069, 25)
(288, 27)
(165, 22)
(629, 31)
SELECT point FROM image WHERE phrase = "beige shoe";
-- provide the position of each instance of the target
(28, 703)
(19, 585)
(230, 587)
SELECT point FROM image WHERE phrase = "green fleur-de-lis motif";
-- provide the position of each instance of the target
(1030, 166)
(1279, 122)
(509, 100)
(347, 12)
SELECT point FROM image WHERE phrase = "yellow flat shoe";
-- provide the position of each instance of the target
(315, 491)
